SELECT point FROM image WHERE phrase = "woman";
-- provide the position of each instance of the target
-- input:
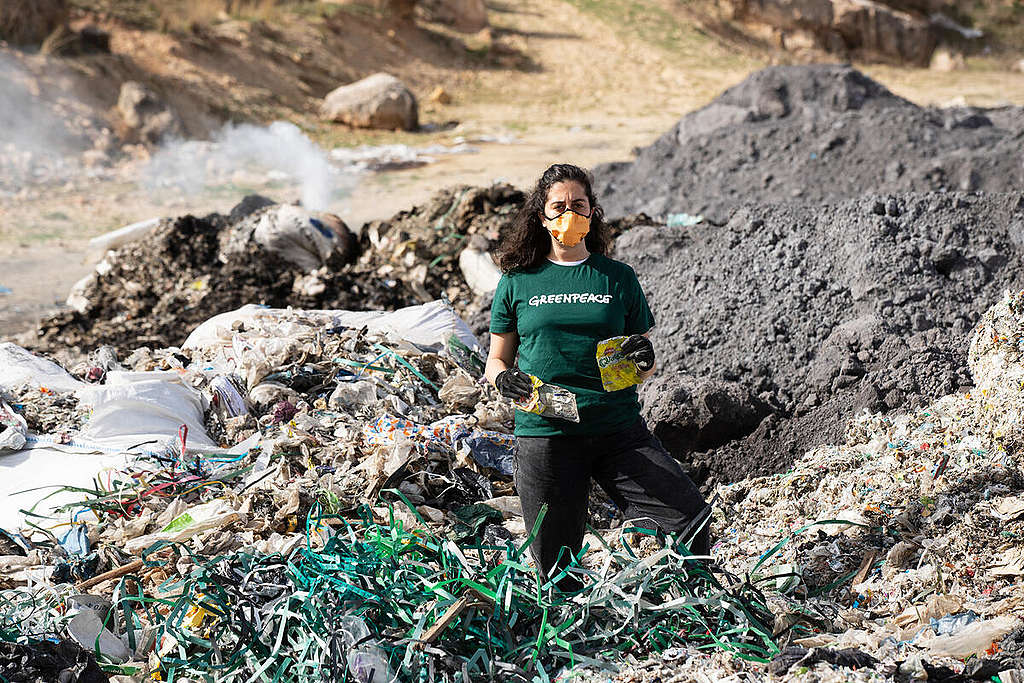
(558, 297)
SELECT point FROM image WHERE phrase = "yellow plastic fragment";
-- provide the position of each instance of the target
(617, 371)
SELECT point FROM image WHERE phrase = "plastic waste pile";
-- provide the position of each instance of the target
(303, 495)
(326, 495)
(903, 541)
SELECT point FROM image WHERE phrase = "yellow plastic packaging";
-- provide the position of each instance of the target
(617, 371)
(550, 401)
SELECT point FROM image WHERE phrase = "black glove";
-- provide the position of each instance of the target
(640, 350)
(514, 384)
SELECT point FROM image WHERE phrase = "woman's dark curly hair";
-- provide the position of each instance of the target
(530, 242)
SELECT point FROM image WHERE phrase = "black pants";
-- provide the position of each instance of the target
(633, 468)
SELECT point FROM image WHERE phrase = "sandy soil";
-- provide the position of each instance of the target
(567, 85)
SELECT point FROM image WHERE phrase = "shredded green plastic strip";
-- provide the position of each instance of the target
(250, 617)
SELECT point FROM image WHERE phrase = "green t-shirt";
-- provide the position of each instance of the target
(561, 313)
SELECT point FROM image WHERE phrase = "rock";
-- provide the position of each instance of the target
(29, 22)
(440, 96)
(887, 29)
(146, 117)
(993, 259)
(1019, 66)
(697, 413)
(467, 16)
(378, 101)
(944, 60)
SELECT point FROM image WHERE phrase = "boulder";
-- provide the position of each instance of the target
(468, 16)
(890, 29)
(29, 22)
(699, 413)
(146, 117)
(378, 101)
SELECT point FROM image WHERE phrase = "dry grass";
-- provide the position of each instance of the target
(29, 22)
(186, 14)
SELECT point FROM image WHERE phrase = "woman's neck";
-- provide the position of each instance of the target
(559, 252)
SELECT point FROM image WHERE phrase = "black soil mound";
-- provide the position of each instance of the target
(808, 314)
(816, 133)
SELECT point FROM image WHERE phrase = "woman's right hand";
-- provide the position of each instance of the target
(513, 383)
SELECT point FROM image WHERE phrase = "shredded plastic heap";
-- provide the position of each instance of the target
(906, 537)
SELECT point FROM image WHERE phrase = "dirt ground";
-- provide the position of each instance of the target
(565, 81)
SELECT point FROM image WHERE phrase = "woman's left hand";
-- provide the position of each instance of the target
(640, 350)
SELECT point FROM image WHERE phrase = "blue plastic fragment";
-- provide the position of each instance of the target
(76, 541)
(682, 220)
(321, 228)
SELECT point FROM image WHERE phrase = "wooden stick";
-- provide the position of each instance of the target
(470, 599)
(865, 568)
(112, 574)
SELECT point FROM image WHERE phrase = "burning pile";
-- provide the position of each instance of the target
(155, 290)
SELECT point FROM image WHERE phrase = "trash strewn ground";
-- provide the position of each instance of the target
(260, 446)
(817, 133)
(341, 508)
(893, 554)
(338, 498)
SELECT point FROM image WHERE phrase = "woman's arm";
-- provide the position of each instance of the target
(502, 354)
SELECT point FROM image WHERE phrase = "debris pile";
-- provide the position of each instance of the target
(358, 515)
(903, 540)
(816, 133)
(338, 498)
(155, 290)
(809, 314)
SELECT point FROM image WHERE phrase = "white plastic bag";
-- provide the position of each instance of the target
(305, 238)
(134, 407)
(13, 429)
(427, 324)
(973, 639)
(479, 271)
(18, 366)
(213, 515)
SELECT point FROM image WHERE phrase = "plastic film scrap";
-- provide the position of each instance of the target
(550, 401)
(617, 371)
(363, 594)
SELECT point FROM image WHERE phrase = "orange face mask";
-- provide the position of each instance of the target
(568, 227)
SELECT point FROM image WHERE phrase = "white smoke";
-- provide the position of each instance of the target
(279, 151)
(33, 139)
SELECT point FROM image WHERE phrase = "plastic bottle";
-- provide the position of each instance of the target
(367, 661)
